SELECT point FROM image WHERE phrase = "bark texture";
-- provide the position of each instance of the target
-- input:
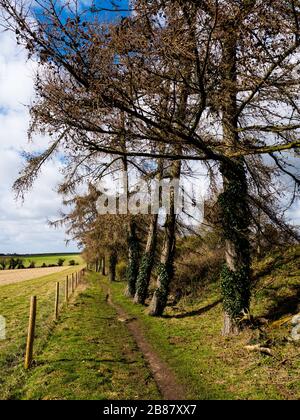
(146, 265)
(234, 200)
(166, 267)
(113, 259)
(133, 260)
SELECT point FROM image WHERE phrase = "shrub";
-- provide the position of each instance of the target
(13, 263)
(32, 264)
(199, 261)
(44, 265)
(16, 263)
(121, 271)
(72, 262)
(60, 262)
(20, 264)
(3, 263)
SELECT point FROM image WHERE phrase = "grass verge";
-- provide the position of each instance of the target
(210, 366)
(89, 355)
(14, 306)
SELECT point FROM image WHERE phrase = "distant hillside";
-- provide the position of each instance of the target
(39, 260)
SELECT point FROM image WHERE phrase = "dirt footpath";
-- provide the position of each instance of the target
(164, 377)
(16, 276)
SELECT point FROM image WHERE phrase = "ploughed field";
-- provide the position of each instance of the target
(16, 276)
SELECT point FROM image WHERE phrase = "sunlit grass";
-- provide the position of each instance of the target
(214, 367)
(86, 355)
(14, 306)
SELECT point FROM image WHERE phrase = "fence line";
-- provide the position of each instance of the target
(67, 290)
(75, 282)
(56, 303)
(31, 330)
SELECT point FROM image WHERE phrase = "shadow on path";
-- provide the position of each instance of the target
(196, 312)
(284, 305)
(48, 362)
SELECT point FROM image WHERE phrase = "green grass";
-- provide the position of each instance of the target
(87, 355)
(14, 306)
(213, 367)
(48, 259)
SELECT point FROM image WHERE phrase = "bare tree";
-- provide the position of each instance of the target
(242, 111)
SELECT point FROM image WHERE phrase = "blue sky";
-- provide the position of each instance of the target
(110, 9)
(24, 226)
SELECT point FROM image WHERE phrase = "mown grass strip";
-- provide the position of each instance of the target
(14, 306)
(211, 366)
(89, 356)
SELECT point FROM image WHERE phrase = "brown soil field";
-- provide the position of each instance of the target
(16, 276)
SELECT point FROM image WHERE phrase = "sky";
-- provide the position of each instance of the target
(23, 226)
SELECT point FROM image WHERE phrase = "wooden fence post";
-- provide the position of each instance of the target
(72, 282)
(67, 290)
(56, 305)
(31, 331)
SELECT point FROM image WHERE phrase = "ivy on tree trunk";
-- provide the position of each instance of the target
(146, 266)
(166, 267)
(133, 260)
(235, 276)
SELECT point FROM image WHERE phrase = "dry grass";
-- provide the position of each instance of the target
(16, 276)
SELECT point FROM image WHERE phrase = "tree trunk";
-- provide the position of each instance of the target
(233, 201)
(133, 260)
(229, 327)
(144, 276)
(147, 262)
(235, 223)
(166, 268)
(113, 259)
(133, 245)
(103, 267)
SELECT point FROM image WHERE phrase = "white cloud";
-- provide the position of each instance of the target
(294, 214)
(23, 227)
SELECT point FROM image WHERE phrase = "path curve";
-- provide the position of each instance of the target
(163, 375)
